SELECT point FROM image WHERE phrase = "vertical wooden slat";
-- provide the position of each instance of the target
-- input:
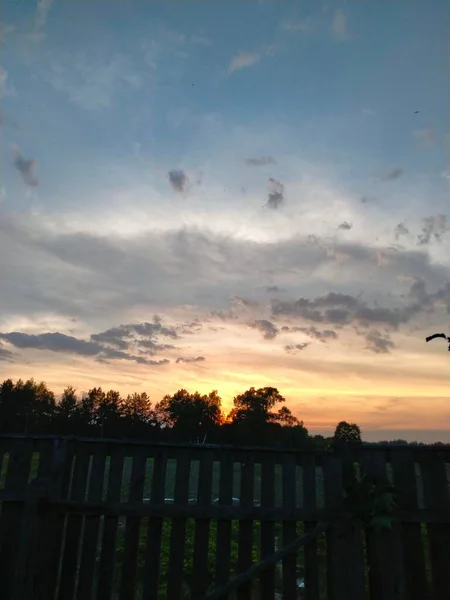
(54, 519)
(108, 548)
(92, 524)
(310, 502)
(200, 574)
(74, 525)
(345, 561)
(289, 528)
(384, 548)
(224, 526)
(413, 551)
(131, 546)
(246, 526)
(16, 483)
(436, 498)
(29, 552)
(154, 532)
(267, 578)
(178, 533)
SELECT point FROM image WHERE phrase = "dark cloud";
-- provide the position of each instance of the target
(190, 360)
(6, 355)
(244, 302)
(26, 167)
(345, 225)
(268, 329)
(276, 194)
(59, 342)
(260, 162)
(400, 230)
(272, 289)
(378, 342)
(367, 200)
(178, 180)
(320, 335)
(295, 348)
(343, 309)
(392, 175)
(433, 228)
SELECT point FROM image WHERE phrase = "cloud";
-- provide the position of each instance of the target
(267, 328)
(203, 41)
(400, 230)
(190, 360)
(59, 342)
(272, 289)
(343, 309)
(433, 227)
(377, 342)
(42, 10)
(178, 180)
(260, 162)
(317, 334)
(5, 88)
(392, 175)
(345, 226)
(301, 25)
(243, 60)
(339, 25)
(6, 355)
(426, 137)
(26, 167)
(295, 348)
(142, 335)
(367, 200)
(276, 194)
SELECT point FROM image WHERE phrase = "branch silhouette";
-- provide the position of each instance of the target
(439, 335)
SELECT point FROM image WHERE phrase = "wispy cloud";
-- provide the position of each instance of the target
(195, 359)
(261, 161)
(276, 194)
(433, 228)
(345, 226)
(298, 25)
(178, 180)
(378, 342)
(339, 25)
(392, 175)
(267, 328)
(426, 137)
(400, 230)
(243, 60)
(26, 167)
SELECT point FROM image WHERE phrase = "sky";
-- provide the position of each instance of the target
(219, 195)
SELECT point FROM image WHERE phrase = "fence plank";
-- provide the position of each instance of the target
(131, 545)
(154, 532)
(178, 533)
(384, 548)
(345, 571)
(436, 497)
(312, 587)
(267, 578)
(411, 533)
(16, 482)
(224, 526)
(289, 528)
(108, 548)
(92, 524)
(74, 525)
(246, 526)
(201, 576)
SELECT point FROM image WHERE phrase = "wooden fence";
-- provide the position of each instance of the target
(86, 519)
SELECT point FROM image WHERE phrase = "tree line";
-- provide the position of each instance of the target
(259, 417)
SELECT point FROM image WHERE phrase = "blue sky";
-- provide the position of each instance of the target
(299, 165)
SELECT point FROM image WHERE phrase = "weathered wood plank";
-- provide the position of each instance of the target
(74, 525)
(92, 524)
(224, 526)
(246, 526)
(201, 576)
(178, 533)
(267, 577)
(403, 464)
(289, 528)
(131, 546)
(384, 547)
(312, 588)
(19, 462)
(436, 497)
(108, 547)
(154, 532)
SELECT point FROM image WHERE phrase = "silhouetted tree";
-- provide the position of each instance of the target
(347, 433)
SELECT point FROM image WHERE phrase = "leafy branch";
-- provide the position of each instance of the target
(371, 504)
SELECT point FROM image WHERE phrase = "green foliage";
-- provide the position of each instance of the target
(373, 504)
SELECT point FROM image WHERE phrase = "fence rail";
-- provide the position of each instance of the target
(114, 520)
